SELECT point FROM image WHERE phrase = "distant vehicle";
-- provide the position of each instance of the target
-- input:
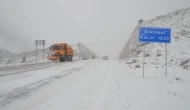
(104, 58)
(62, 52)
(85, 58)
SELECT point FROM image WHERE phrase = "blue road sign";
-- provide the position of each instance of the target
(155, 35)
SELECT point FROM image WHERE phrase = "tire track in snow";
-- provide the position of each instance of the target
(25, 68)
(97, 103)
(26, 90)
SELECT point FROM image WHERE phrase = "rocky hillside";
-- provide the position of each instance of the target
(178, 50)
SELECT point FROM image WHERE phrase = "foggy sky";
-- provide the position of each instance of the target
(102, 25)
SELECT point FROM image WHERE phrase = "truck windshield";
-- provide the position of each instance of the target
(56, 48)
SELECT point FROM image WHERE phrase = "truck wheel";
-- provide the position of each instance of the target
(62, 58)
(68, 58)
(71, 58)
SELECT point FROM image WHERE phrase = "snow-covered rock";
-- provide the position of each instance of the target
(178, 51)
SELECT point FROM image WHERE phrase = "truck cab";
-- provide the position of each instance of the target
(62, 52)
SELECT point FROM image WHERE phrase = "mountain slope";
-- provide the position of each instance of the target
(11, 38)
(178, 50)
(81, 51)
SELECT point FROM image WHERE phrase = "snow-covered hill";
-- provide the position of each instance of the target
(178, 50)
(6, 56)
(81, 51)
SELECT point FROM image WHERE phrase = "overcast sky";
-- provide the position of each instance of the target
(102, 25)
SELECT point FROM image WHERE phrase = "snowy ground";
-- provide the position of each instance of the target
(96, 85)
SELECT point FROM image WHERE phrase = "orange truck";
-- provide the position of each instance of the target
(62, 52)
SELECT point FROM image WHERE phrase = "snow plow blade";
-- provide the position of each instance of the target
(53, 58)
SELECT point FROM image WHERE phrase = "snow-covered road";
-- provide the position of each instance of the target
(95, 85)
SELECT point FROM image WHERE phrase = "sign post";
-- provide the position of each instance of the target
(39, 42)
(143, 59)
(155, 35)
(43, 49)
(43, 53)
(36, 52)
(165, 59)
